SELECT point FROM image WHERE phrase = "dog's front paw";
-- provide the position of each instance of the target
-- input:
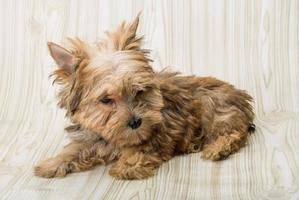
(51, 168)
(131, 172)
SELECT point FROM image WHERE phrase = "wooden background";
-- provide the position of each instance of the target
(252, 44)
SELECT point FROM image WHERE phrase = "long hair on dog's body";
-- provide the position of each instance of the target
(122, 112)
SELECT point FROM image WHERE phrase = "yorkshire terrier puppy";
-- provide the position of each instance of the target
(122, 112)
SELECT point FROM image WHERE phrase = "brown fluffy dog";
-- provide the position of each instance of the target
(124, 112)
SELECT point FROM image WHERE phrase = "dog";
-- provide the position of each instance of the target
(124, 113)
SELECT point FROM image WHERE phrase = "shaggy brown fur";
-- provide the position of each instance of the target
(122, 112)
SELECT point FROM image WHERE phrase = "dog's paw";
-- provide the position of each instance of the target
(51, 168)
(215, 154)
(131, 172)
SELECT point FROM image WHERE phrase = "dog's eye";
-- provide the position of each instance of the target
(106, 101)
(139, 92)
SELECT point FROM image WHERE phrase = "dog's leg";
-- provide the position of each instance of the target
(75, 157)
(224, 145)
(135, 165)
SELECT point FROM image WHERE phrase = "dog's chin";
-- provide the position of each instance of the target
(130, 137)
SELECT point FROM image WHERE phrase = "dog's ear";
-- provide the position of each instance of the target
(134, 25)
(63, 58)
(125, 38)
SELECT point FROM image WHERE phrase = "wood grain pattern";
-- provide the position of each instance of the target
(252, 44)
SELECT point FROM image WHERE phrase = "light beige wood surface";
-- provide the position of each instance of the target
(253, 44)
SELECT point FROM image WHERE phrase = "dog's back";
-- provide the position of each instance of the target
(216, 113)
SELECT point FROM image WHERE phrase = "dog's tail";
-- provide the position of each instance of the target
(251, 128)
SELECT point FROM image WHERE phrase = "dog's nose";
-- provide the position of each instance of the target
(134, 122)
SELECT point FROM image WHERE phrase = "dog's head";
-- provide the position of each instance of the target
(110, 88)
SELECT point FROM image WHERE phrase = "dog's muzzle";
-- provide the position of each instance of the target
(135, 122)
